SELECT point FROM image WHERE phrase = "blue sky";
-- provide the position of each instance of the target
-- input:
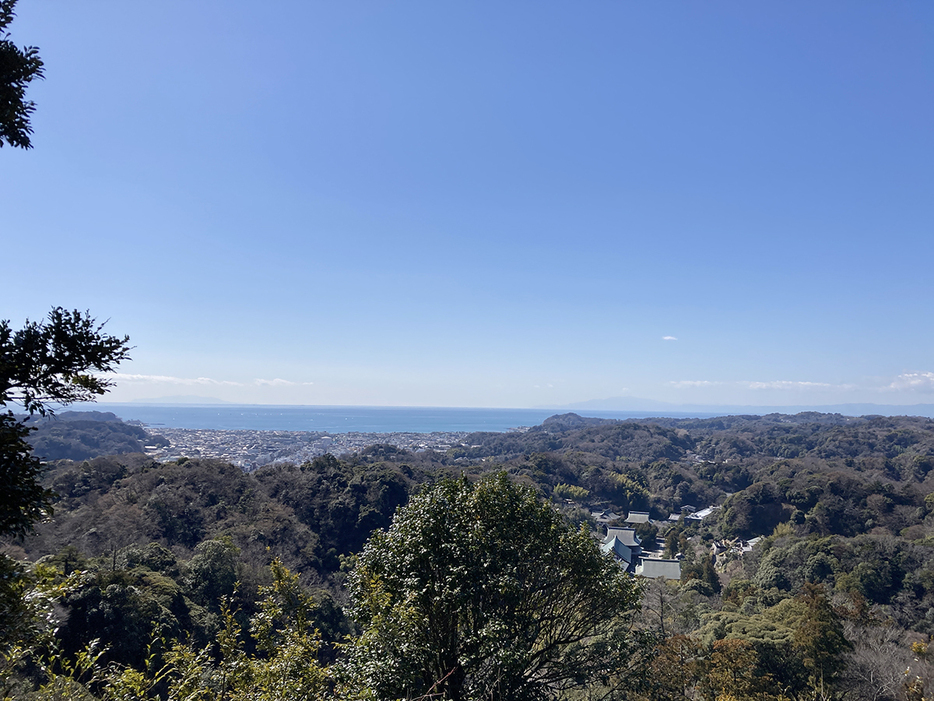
(485, 204)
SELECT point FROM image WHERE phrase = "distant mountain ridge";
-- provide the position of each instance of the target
(851, 409)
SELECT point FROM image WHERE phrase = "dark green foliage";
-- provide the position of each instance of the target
(648, 534)
(57, 360)
(152, 556)
(754, 511)
(819, 638)
(119, 502)
(570, 421)
(98, 474)
(68, 436)
(731, 478)
(845, 504)
(23, 501)
(633, 441)
(176, 515)
(18, 68)
(484, 592)
(12, 607)
(307, 516)
(145, 593)
(703, 573)
(340, 501)
(211, 574)
(795, 454)
(123, 609)
(677, 537)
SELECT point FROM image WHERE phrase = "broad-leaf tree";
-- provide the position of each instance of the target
(482, 591)
(53, 361)
(18, 68)
(57, 360)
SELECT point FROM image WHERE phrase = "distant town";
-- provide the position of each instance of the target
(252, 449)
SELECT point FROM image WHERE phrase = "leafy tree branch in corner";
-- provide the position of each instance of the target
(52, 361)
(18, 68)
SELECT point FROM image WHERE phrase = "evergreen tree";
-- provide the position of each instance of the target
(481, 591)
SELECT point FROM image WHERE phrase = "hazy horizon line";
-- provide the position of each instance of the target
(574, 407)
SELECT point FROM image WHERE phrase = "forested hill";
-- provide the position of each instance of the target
(843, 504)
(72, 435)
(824, 436)
(824, 473)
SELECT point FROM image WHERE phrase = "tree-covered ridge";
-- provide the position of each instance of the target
(311, 514)
(731, 438)
(848, 526)
(73, 435)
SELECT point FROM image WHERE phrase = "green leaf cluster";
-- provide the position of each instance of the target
(18, 68)
(482, 591)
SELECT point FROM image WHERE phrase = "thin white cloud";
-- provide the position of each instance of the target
(669, 338)
(913, 382)
(796, 385)
(128, 378)
(790, 384)
(277, 382)
(168, 379)
(773, 384)
(693, 383)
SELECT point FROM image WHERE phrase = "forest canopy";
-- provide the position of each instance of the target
(813, 569)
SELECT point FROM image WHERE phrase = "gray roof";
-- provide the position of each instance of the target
(604, 516)
(638, 517)
(618, 548)
(627, 535)
(703, 513)
(652, 568)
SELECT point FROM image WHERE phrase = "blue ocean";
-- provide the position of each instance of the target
(337, 419)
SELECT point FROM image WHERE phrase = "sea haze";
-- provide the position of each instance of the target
(343, 419)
